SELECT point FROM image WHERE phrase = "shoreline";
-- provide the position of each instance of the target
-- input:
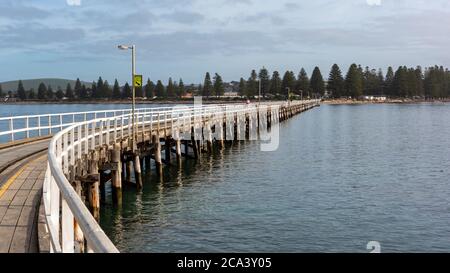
(388, 101)
(219, 101)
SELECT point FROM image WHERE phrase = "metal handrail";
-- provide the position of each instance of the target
(63, 207)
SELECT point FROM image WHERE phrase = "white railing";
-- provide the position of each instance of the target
(22, 127)
(63, 206)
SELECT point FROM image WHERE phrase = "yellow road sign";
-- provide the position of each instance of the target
(138, 80)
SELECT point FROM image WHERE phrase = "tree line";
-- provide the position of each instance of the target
(432, 82)
(100, 90)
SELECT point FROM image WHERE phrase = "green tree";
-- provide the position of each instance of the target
(78, 88)
(275, 83)
(264, 77)
(336, 82)
(31, 94)
(149, 89)
(218, 85)
(242, 87)
(116, 94)
(181, 89)
(353, 82)
(84, 93)
(127, 92)
(400, 83)
(288, 83)
(59, 93)
(207, 86)
(107, 92)
(69, 91)
(42, 91)
(21, 93)
(371, 82)
(99, 90)
(170, 89)
(389, 82)
(1, 92)
(303, 84)
(252, 84)
(94, 91)
(50, 93)
(317, 83)
(160, 90)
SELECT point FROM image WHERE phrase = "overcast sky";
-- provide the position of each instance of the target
(186, 38)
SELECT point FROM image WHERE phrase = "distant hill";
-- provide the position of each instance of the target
(34, 83)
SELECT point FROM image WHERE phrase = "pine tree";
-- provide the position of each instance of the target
(42, 91)
(389, 81)
(353, 82)
(127, 92)
(116, 94)
(317, 83)
(139, 92)
(1, 92)
(370, 82)
(381, 84)
(288, 83)
(181, 89)
(59, 93)
(149, 89)
(69, 91)
(21, 93)
(107, 92)
(275, 83)
(242, 88)
(84, 93)
(218, 85)
(400, 84)
(335, 82)
(419, 81)
(207, 86)
(303, 84)
(94, 91)
(77, 89)
(264, 77)
(50, 93)
(160, 90)
(252, 85)
(99, 89)
(170, 89)
(31, 94)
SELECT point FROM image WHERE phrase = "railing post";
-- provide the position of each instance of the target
(39, 126)
(27, 126)
(11, 128)
(49, 124)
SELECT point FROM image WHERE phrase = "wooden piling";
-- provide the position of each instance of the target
(93, 191)
(157, 151)
(137, 171)
(116, 177)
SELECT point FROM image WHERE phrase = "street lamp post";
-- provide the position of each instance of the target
(133, 104)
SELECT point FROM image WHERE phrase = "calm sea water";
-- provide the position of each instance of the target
(342, 176)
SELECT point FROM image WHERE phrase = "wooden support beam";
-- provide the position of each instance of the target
(93, 181)
(116, 177)
(157, 151)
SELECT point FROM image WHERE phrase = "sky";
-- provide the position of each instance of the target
(186, 38)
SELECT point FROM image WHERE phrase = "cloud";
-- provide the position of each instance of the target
(73, 2)
(373, 2)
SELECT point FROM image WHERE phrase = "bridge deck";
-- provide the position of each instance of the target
(21, 177)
